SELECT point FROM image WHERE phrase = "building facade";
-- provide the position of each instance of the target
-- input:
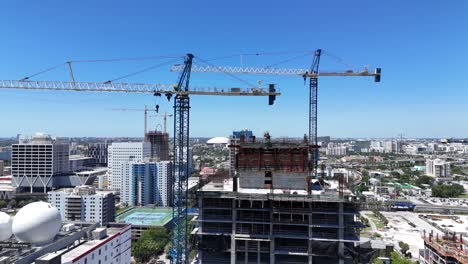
(271, 212)
(146, 183)
(437, 168)
(121, 153)
(98, 152)
(35, 161)
(334, 149)
(84, 203)
(159, 144)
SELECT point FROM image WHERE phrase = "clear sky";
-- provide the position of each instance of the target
(420, 45)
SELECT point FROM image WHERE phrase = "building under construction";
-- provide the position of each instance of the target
(270, 211)
(159, 144)
(444, 249)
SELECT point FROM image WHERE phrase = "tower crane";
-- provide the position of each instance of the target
(179, 251)
(312, 74)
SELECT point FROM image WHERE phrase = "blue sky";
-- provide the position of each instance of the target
(420, 45)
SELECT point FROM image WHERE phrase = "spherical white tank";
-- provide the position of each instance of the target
(36, 223)
(5, 226)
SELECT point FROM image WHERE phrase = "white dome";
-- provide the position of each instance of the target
(5, 226)
(36, 223)
(218, 140)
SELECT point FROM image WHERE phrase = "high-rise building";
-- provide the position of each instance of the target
(334, 149)
(98, 152)
(159, 144)
(84, 203)
(146, 183)
(271, 212)
(163, 193)
(35, 161)
(121, 153)
(437, 168)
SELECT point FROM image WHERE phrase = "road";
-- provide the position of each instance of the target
(371, 223)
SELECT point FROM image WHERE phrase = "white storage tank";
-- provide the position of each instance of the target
(5, 226)
(36, 223)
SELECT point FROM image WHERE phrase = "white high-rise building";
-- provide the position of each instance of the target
(336, 150)
(163, 193)
(437, 168)
(121, 153)
(84, 203)
(146, 183)
(34, 161)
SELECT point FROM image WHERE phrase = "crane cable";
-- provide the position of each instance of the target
(127, 59)
(43, 71)
(143, 70)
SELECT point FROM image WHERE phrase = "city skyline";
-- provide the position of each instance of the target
(413, 98)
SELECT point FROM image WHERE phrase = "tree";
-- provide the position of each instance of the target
(397, 259)
(424, 179)
(447, 191)
(3, 204)
(12, 203)
(150, 244)
(403, 247)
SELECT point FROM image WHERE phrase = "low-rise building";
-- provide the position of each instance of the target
(437, 168)
(84, 203)
(83, 243)
(7, 191)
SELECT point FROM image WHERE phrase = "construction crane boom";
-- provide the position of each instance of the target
(274, 71)
(132, 88)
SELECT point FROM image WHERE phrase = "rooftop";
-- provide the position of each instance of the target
(145, 216)
(87, 246)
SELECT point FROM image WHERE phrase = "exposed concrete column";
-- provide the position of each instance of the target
(258, 252)
(340, 232)
(309, 240)
(233, 232)
(200, 227)
(246, 257)
(272, 237)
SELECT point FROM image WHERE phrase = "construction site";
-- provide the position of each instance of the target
(449, 248)
(270, 211)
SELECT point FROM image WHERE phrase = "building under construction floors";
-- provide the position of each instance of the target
(444, 249)
(270, 213)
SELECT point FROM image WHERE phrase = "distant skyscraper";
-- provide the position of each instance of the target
(121, 153)
(159, 144)
(36, 160)
(335, 149)
(98, 151)
(147, 183)
(84, 203)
